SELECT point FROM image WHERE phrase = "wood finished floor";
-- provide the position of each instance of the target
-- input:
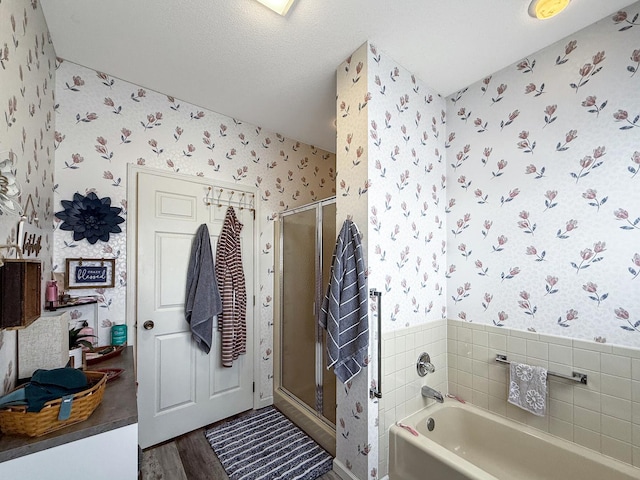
(189, 457)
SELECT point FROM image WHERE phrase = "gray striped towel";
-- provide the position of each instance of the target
(344, 309)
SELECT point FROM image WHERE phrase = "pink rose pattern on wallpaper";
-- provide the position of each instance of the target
(355, 410)
(403, 131)
(543, 190)
(103, 124)
(27, 71)
(407, 139)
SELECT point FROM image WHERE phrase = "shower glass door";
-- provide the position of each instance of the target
(307, 244)
(298, 297)
(328, 244)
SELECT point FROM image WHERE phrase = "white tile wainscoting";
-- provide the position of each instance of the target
(603, 415)
(401, 384)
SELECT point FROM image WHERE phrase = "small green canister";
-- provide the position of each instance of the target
(118, 334)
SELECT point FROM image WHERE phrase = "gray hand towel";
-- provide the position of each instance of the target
(528, 388)
(203, 298)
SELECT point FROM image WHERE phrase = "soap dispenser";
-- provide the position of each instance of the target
(52, 294)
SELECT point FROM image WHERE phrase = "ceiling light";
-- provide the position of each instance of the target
(543, 9)
(278, 6)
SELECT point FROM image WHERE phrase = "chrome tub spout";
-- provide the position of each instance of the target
(429, 392)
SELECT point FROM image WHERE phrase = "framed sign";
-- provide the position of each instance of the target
(90, 273)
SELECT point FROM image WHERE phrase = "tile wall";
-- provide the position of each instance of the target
(401, 384)
(603, 415)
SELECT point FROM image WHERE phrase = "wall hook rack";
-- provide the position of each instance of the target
(244, 200)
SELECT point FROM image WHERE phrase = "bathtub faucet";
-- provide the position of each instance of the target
(431, 393)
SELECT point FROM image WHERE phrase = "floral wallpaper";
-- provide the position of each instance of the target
(543, 217)
(27, 76)
(391, 180)
(356, 440)
(407, 131)
(104, 123)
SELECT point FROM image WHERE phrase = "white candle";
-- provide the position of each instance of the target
(20, 240)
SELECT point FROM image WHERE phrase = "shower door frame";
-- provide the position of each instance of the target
(319, 423)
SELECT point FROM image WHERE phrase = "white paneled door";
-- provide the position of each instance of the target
(180, 388)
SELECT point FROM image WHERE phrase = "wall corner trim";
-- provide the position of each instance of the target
(343, 472)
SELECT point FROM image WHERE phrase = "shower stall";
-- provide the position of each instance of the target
(304, 389)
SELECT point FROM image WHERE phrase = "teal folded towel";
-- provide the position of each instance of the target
(13, 399)
(47, 385)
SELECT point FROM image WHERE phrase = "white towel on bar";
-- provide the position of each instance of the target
(528, 388)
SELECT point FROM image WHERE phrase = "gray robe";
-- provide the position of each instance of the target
(202, 298)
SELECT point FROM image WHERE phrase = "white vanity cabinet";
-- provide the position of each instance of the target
(105, 446)
(106, 456)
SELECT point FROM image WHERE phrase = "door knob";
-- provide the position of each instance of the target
(148, 325)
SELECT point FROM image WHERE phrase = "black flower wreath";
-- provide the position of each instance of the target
(90, 217)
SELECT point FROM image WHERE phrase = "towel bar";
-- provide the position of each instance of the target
(377, 391)
(576, 376)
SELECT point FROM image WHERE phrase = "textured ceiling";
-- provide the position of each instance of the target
(238, 58)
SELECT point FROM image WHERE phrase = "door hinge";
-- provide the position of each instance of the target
(254, 300)
(254, 387)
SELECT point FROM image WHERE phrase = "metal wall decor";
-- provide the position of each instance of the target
(9, 187)
(31, 243)
(90, 217)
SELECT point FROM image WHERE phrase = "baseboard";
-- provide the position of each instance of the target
(264, 402)
(342, 471)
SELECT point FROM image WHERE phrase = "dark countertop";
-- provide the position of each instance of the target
(117, 409)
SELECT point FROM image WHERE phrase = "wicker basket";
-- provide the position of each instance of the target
(17, 421)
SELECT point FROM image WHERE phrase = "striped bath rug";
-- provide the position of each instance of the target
(266, 445)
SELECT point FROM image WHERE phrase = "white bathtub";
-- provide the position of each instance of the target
(470, 443)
